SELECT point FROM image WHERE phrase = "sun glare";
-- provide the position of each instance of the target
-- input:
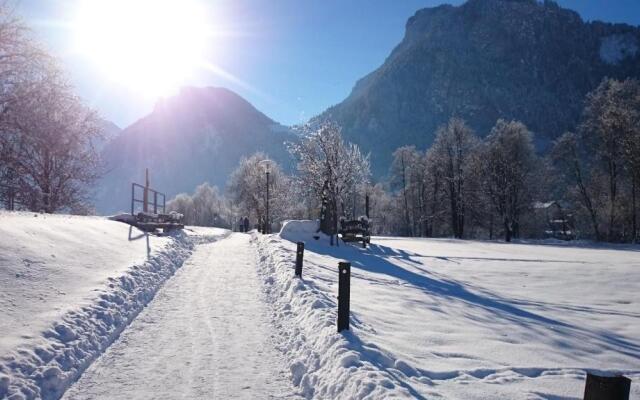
(150, 46)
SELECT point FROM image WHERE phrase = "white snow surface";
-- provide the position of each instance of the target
(440, 318)
(300, 230)
(68, 287)
(206, 335)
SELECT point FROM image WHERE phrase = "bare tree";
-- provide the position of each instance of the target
(51, 134)
(405, 170)
(20, 63)
(247, 188)
(383, 211)
(507, 161)
(433, 182)
(21, 59)
(569, 157)
(454, 149)
(47, 136)
(604, 159)
(626, 100)
(603, 131)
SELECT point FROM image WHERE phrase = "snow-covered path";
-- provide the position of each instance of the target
(205, 335)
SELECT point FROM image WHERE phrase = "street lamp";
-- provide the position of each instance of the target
(267, 225)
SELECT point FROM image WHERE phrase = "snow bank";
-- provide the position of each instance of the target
(455, 319)
(300, 230)
(324, 364)
(69, 286)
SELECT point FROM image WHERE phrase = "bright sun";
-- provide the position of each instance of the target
(150, 46)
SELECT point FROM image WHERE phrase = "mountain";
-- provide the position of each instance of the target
(197, 136)
(109, 131)
(486, 59)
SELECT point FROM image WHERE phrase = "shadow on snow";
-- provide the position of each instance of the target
(376, 260)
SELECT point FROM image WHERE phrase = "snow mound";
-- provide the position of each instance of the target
(300, 230)
(324, 364)
(296, 229)
(72, 343)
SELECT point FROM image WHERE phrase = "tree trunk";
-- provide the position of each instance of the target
(577, 171)
(507, 231)
(634, 183)
(407, 223)
(461, 215)
(612, 197)
(455, 210)
(335, 213)
(434, 205)
(491, 227)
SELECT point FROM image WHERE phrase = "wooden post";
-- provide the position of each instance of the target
(607, 387)
(145, 195)
(267, 227)
(12, 197)
(155, 202)
(299, 257)
(344, 288)
(133, 193)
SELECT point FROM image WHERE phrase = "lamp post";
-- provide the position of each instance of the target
(267, 227)
(267, 224)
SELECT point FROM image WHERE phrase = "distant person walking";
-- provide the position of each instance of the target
(245, 224)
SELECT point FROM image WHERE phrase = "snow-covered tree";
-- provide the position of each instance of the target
(601, 163)
(629, 108)
(247, 189)
(51, 136)
(454, 149)
(407, 176)
(568, 154)
(507, 163)
(603, 129)
(47, 158)
(384, 213)
(183, 204)
(326, 163)
(206, 207)
(21, 59)
(434, 207)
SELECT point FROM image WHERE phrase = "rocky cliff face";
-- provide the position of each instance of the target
(486, 59)
(197, 136)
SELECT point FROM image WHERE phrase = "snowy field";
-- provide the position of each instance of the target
(68, 286)
(455, 319)
(51, 264)
(86, 309)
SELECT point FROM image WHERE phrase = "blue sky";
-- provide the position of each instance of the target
(294, 57)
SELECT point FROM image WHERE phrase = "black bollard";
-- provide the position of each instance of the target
(607, 387)
(344, 287)
(299, 256)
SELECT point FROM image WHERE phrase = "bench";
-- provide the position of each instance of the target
(149, 222)
(355, 230)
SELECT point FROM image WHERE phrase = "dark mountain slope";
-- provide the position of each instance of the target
(484, 60)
